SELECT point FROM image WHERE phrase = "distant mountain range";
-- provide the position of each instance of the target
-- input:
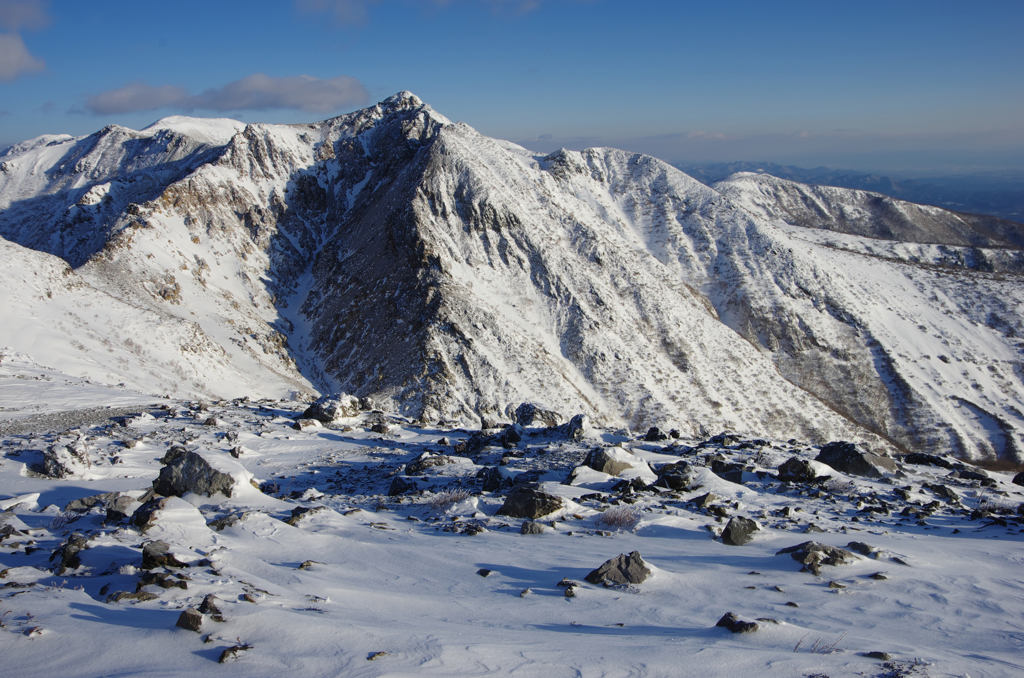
(974, 194)
(395, 255)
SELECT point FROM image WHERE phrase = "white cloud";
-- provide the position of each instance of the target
(356, 12)
(18, 14)
(15, 59)
(257, 92)
(136, 96)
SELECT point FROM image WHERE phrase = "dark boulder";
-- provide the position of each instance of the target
(529, 502)
(158, 554)
(922, 459)
(532, 414)
(192, 473)
(511, 435)
(530, 527)
(739, 531)
(654, 435)
(493, 480)
(601, 459)
(400, 485)
(145, 515)
(852, 459)
(87, 503)
(728, 471)
(813, 555)
(331, 407)
(797, 470)
(190, 619)
(622, 569)
(69, 553)
(677, 476)
(577, 427)
(424, 462)
(732, 622)
(1018, 479)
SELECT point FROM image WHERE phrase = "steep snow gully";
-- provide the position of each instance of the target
(393, 254)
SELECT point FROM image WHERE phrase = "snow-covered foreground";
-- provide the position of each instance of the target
(368, 584)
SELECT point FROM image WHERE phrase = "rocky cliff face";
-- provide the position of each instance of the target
(393, 254)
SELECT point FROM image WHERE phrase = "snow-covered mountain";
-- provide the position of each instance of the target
(394, 254)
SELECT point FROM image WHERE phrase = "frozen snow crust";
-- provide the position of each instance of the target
(394, 255)
(373, 549)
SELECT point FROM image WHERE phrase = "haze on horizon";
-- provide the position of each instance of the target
(927, 87)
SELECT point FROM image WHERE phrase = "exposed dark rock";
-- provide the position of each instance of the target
(732, 622)
(118, 507)
(209, 606)
(943, 491)
(493, 480)
(511, 435)
(331, 407)
(797, 470)
(300, 512)
(230, 653)
(861, 548)
(739, 531)
(705, 500)
(158, 554)
(141, 596)
(174, 453)
(300, 425)
(62, 461)
(68, 552)
(1018, 479)
(728, 471)
(600, 459)
(813, 555)
(622, 569)
(654, 435)
(191, 473)
(577, 427)
(529, 502)
(87, 503)
(400, 485)
(425, 462)
(677, 476)
(530, 527)
(883, 656)
(923, 459)
(381, 428)
(484, 572)
(531, 414)
(161, 579)
(145, 515)
(849, 458)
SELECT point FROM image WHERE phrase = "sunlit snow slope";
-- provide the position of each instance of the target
(392, 253)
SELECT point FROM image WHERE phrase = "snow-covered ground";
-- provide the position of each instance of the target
(369, 584)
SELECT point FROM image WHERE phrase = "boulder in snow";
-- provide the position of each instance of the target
(532, 414)
(529, 502)
(622, 569)
(853, 459)
(192, 473)
(332, 407)
(739, 531)
(813, 555)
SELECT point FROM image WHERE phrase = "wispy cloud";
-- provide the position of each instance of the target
(257, 92)
(15, 16)
(15, 59)
(357, 12)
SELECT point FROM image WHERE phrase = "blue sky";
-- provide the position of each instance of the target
(897, 85)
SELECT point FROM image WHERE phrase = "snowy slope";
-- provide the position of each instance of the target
(367, 584)
(394, 254)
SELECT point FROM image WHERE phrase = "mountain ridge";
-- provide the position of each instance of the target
(397, 255)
